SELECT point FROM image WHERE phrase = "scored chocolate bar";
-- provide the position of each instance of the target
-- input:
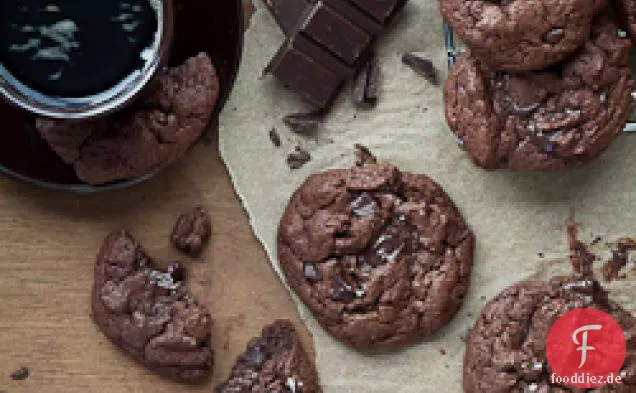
(328, 41)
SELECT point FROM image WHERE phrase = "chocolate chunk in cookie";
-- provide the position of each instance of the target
(505, 352)
(273, 362)
(626, 12)
(191, 231)
(521, 35)
(554, 119)
(140, 141)
(148, 313)
(381, 257)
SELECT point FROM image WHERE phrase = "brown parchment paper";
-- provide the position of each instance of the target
(515, 216)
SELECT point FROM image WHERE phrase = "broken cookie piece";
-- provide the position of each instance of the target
(148, 313)
(191, 231)
(273, 362)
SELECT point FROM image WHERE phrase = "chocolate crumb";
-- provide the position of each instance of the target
(619, 259)
(581, 258)
(366, 87)
(274, 137)
(304, 123)
(298, 158)
(596, 240)
(442, 351)
(421, 66)
(20, 374)
(364, 156)
(540, 255)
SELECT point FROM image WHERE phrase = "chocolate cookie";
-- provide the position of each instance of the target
(148, 313)
(626, 12)
(544, 120)
(505, 351)
(381, 257)
(140, 141)
(273, 362)
(191, 231)
(521, 35)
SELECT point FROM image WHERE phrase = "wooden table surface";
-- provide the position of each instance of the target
(48, 243)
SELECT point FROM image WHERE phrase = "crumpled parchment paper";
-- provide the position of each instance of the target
(515, 216)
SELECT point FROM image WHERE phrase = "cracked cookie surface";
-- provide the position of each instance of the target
(505, 351)
(148, 313)
(554, 119)
(273, 362)
(521, 35)
(139, 141)
(381, 257)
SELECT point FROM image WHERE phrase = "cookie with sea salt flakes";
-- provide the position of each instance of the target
(273, 362)
(381, 257)
(558, 118)
(506, 349)
(521, 35)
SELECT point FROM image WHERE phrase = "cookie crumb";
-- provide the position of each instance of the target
(540, 255)
(20, 374)
(482, 297)
(191, 231)
(298, 158)
(304, 123)
(619, 259)
(274, 137)
(421, 66)
(364, 156)
(442, 351)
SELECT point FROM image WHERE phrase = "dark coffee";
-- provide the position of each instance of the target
(75, 48)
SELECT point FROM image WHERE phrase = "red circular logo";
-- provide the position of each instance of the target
(586, 349)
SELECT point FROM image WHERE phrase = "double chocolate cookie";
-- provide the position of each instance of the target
(553, 119)
(505, 352)
(148, 313)
(140, 140)
(521, 35)
(273, 362)
(381, 257)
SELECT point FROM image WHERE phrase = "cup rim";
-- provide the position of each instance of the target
(18, 94)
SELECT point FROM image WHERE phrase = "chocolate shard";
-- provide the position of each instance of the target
(287, 13)
(274, 137)
(304, 123)
(422, 66)
(298, 158)
(366, 87)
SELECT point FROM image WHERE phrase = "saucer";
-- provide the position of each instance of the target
(200, 26)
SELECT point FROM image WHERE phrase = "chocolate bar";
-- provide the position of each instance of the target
(328, 43)
(287, 12)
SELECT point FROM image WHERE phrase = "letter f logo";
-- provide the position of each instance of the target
(583, 345)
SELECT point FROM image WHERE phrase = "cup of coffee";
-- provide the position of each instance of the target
(74, 59)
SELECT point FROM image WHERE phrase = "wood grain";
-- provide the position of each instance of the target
(48, 243)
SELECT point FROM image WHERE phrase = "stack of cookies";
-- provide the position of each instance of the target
(546, 84)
